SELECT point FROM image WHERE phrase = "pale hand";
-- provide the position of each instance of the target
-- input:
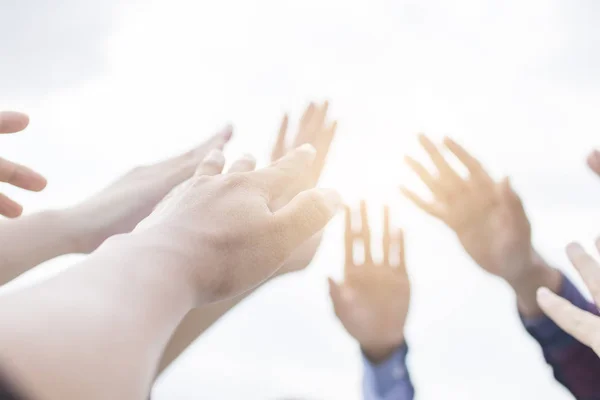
(582, 325)
(220, 233)
(119, 207)
(373, 300)
(16, 174)
(313, 129)
(488, 217)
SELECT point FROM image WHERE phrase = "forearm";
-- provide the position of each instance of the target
(96, 331)
(539, 274)
(195, 323)
(30, 240)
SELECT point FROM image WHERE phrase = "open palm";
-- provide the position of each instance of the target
(487, 216)
(373, 300)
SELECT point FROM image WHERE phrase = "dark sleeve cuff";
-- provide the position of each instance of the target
(389, 376)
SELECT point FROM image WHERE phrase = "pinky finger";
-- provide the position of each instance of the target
(9, 208)
(582, 325)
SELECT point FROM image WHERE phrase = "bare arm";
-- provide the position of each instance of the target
(31, 240)
(314, 129)
(98, 330)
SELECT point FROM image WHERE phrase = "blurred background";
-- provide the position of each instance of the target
(112, 84)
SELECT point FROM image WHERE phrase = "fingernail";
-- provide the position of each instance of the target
(332, 199)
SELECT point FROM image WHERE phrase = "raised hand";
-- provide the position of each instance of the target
(582, 325)
(16, 174)
(119, 207)
(222, 233)
(488, 217)
(593, 161)
(489, 220)
(314, 129)
(373, 300)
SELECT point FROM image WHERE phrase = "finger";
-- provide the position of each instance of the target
(21, 176)
(246, 163)
(387, 240)
(438, 159)
(212, 164)
(307, 213)
(279, 178)
(587, 267)
(429, 208)
(426, 177)
(318, 119)
(11, 121)
(402, 252)
(335, 292)
(348, 237)
(322, 145)
(306, 117)
(580, 324)
(593, 161)
(279, 149)
(366, 232)
(473, 165)
(9, 208)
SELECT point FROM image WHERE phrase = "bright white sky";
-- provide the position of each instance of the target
(113, 84)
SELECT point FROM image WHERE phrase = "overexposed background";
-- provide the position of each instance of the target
(112, 84)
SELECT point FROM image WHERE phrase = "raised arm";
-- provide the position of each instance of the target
(30, 240)
(313, 129)
(372, 303)
(212, 239)
(492, 226)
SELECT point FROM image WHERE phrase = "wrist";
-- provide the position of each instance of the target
(63, 225)
(134, 264)
(81, 230)
(378, 353)
(534, 276)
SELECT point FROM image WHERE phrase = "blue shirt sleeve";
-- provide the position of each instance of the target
(575, 366)
(389, 380)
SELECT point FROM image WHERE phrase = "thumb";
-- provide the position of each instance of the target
(307, 213)
(508, 193)
(336, 295)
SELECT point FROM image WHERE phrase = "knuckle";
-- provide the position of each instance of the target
(237, 180)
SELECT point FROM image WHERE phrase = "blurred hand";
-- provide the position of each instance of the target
(16, 174)
(372, 303)
(489, 220)
(315, 130)
(122, 205)
(220, 233)
(594, 161)
(488, 217)
(582, 325)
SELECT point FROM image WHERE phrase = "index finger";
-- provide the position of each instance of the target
(580, 324)
(472, 164)
(21, 176)
(11, 121)
(348, 238)
(279, 177)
